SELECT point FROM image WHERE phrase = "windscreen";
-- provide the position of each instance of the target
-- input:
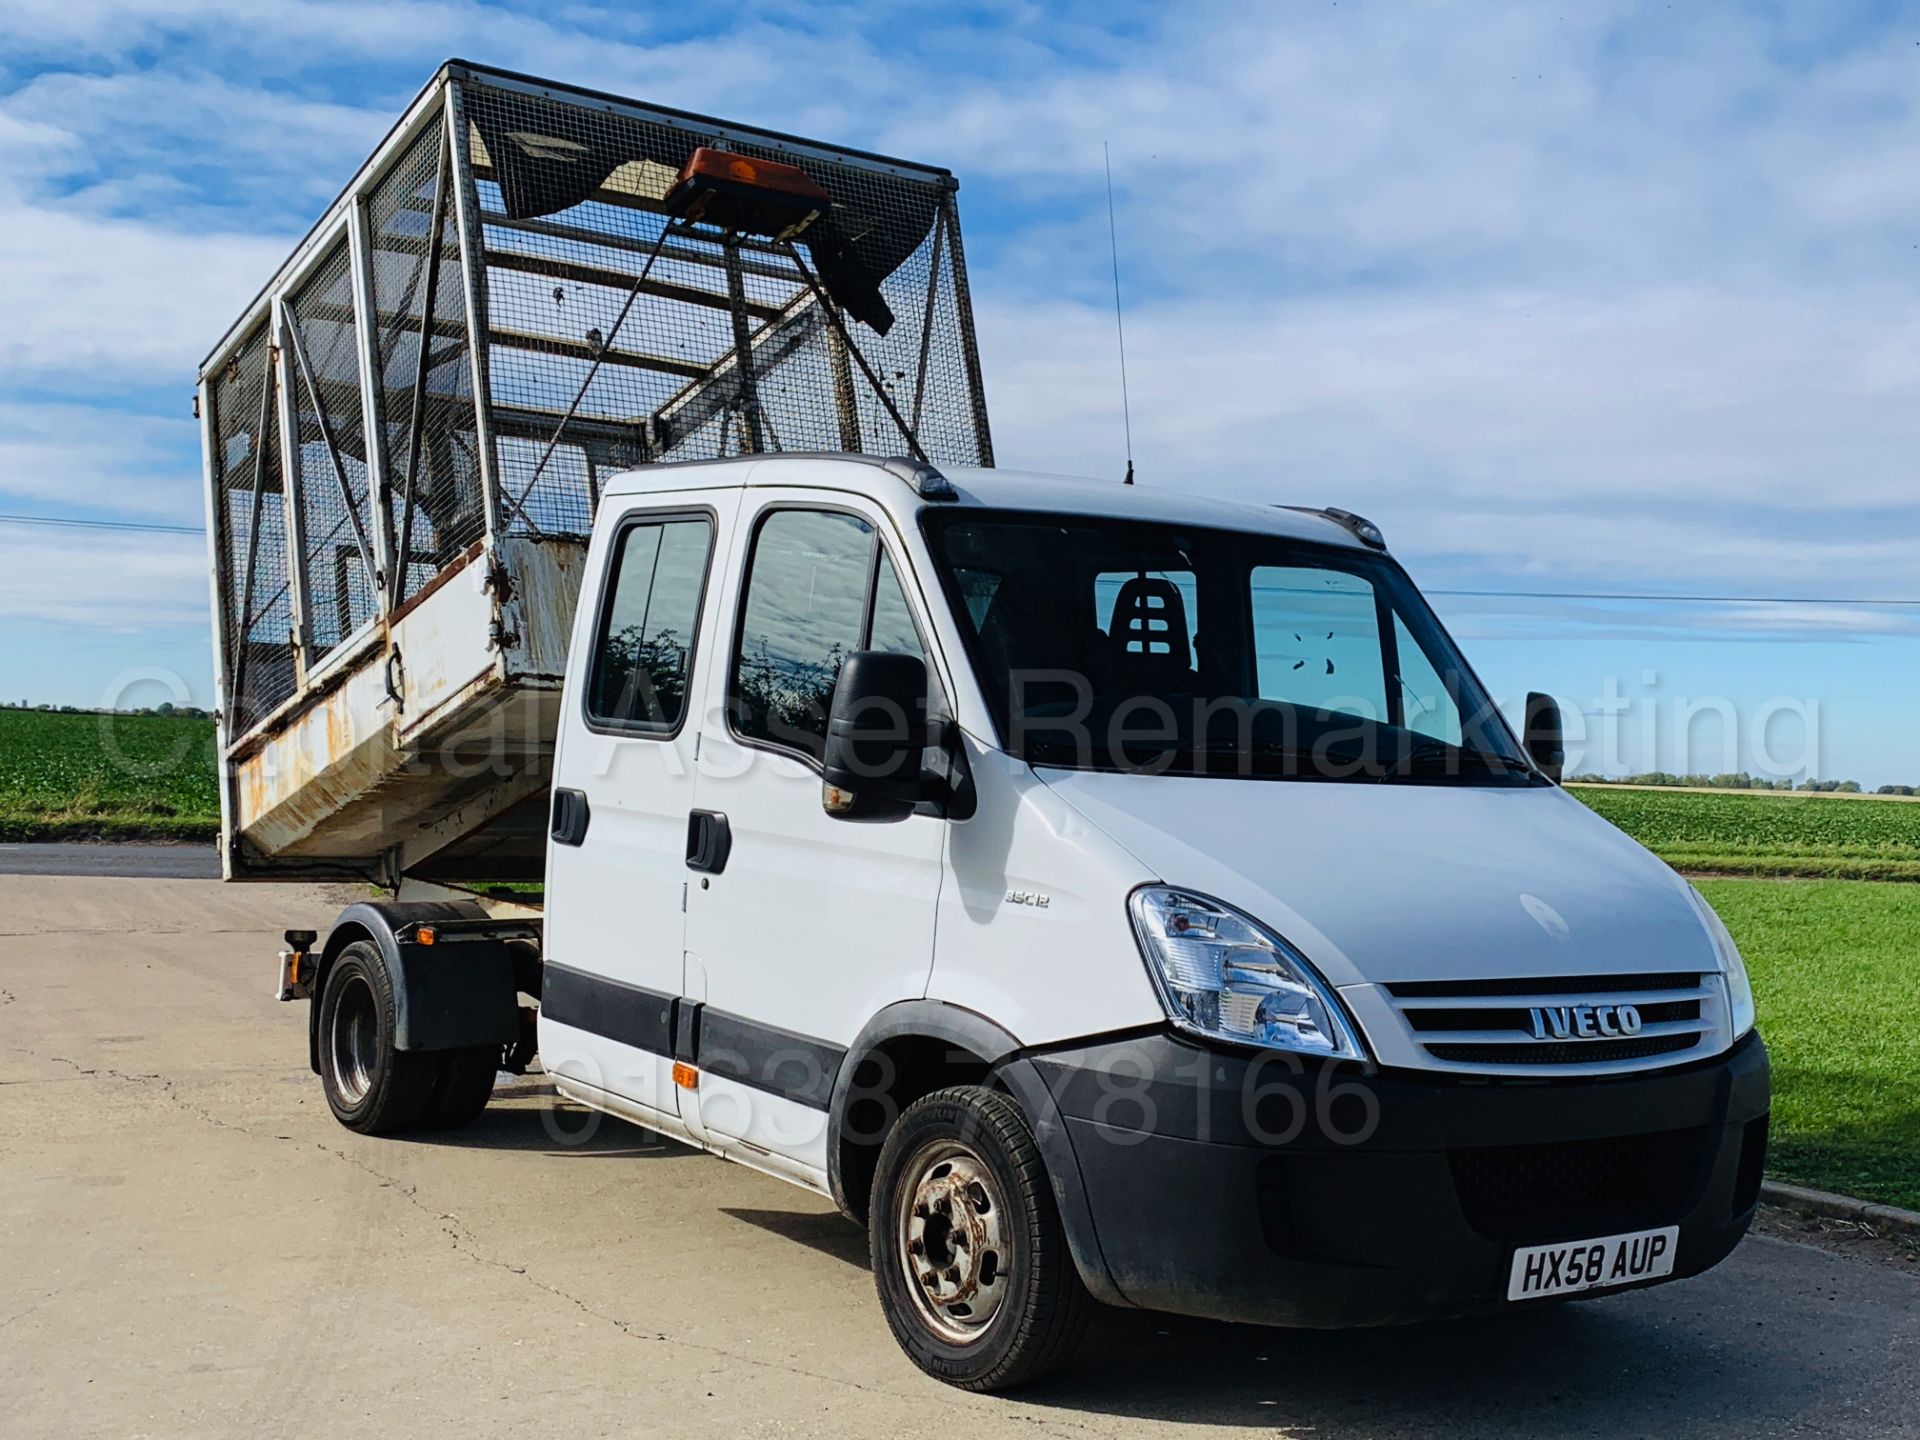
(1121, 645)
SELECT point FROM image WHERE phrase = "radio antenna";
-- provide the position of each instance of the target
(1119, 325)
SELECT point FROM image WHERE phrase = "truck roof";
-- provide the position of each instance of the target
(885, 482)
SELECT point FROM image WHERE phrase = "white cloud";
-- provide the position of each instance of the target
(97, 304)
(102, 579)
(1661, 440)
(62, 457)
(276, 152)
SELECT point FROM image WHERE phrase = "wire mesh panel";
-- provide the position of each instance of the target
(257, 618)
(435, 453)
(621, 334)
(331, 485)
(626, 321)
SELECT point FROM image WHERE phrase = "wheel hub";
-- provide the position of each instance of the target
(355, 1040)
(952, 1243)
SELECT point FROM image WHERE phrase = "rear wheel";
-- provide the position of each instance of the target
(967, 1246)
(371, 1087)
(462, 1087)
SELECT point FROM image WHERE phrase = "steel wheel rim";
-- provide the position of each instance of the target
(950, 1238)
(354, 1041)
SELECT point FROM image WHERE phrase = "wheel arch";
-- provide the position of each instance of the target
(457, 993)
(909, 1049)
(932, 1044)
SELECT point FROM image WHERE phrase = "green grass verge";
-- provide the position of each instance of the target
(106, 777)
(1812, 836)
(1836, 973)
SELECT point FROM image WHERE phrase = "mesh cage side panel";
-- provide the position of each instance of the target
(570, 197)
(447, 514)
(340, 592)
(261, 659)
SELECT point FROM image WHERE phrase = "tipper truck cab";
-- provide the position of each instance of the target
(1099, 892)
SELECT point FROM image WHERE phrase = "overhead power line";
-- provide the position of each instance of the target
(1667, 599)
(70, 523)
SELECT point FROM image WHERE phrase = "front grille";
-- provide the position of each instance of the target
(1546, 985)
(1586, 1052)
(1523, 1193)
(1491, 1025)
(1431, 1021)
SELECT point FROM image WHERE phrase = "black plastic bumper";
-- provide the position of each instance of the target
(1240, 1188)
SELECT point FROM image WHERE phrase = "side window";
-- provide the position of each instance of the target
(892, 627)
(642, 655)
(1425, 703)
(805, 607)
(1317, 641)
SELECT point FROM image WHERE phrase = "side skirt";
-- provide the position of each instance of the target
(671, 1126)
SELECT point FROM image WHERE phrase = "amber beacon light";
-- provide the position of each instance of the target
(739, 192)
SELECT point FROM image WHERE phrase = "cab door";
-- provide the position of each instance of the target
(623, 786)
(799, 926)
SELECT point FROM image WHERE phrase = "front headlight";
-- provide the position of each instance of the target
(1740, 1011)
(1223, 975)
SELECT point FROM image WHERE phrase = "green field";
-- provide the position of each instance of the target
(1836, 975)
(67, 776)
(1812, 836)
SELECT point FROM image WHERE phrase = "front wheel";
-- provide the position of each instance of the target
(968, 1250)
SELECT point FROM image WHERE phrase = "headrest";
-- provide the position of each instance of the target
(1150, 622)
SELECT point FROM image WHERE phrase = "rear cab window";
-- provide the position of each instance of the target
(643, 649)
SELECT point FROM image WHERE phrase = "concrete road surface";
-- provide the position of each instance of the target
(189, 1246)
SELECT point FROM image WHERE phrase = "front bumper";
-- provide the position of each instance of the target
(1284, 1192)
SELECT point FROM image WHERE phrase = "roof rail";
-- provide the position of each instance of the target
(927, 481)
(1358, 526)
(924, 479)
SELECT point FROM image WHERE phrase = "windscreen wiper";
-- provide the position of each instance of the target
(1315, 758)
(1440, 749)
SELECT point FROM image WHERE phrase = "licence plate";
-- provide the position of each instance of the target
(1576, 1265)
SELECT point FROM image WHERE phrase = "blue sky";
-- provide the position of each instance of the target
(1602, 297)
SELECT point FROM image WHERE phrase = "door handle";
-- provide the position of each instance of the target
(571, 815)
(709, 841)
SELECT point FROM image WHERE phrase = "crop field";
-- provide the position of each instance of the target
(1836, 978)
(67, 776)
(1812, 836)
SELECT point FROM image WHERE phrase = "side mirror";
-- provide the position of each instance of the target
(1542, 734)
(876, 737)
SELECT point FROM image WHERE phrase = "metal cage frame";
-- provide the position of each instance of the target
(331, 411)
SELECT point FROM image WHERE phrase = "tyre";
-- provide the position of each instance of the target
(462, 1086)
(968, 1250)
(371, 1087)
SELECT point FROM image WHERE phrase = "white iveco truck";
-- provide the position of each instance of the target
(1098, 892)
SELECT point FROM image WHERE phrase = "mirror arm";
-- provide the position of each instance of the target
(950, 792)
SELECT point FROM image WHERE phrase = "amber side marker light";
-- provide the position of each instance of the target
(740, 192)
(685, 1076)
(426, 935)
